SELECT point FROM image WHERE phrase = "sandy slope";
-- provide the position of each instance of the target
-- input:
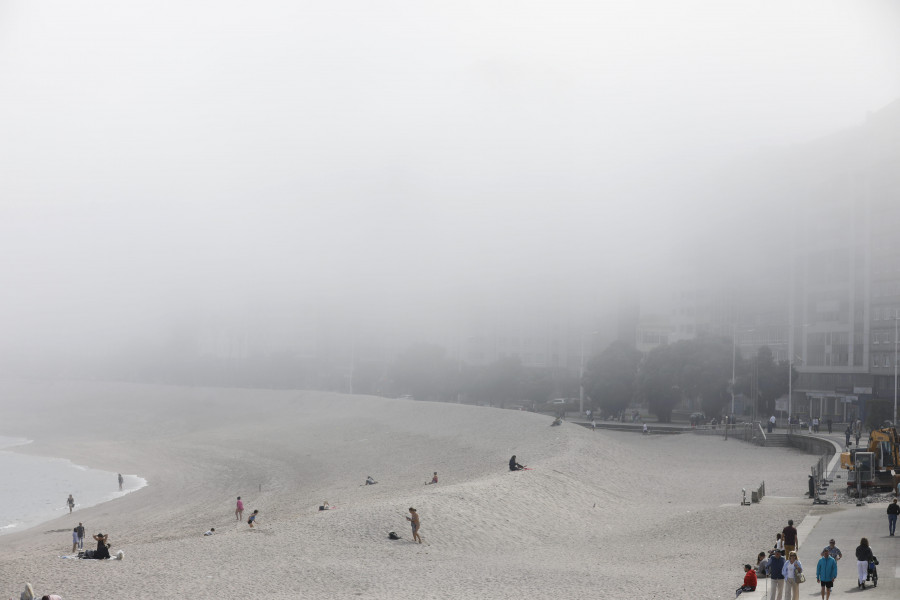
(603, 515)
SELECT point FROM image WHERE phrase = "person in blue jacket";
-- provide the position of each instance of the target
(826, 573)
(776, 568)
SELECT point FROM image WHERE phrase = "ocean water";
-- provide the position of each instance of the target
(34, 489)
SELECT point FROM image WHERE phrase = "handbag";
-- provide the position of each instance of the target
(801, 578)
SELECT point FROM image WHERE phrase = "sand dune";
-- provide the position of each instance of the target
(603, 515)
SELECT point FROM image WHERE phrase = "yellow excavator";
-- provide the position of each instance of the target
(879, 462)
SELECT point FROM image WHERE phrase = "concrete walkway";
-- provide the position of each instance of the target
(846, 524)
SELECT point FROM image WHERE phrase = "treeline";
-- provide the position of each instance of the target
(698, 371)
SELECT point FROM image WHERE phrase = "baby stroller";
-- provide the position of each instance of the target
(872, 573)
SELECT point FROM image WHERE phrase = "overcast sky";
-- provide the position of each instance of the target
(162, 158)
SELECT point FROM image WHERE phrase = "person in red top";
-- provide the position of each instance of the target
(749, 581)
(790, 538)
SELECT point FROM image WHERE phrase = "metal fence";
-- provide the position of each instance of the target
(747, 432)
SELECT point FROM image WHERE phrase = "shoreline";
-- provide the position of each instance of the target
(36, 478)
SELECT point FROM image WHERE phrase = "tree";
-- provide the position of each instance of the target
(706, 367)
(610, 377)
(502, 381)
(772, 380)
(658, 382)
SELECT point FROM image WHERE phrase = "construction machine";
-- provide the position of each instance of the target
(878, 464)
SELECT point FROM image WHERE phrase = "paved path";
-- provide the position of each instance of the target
(846, 524)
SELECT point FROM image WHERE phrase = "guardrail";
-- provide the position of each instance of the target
(747, 432)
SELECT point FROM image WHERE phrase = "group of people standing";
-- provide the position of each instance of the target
(785, 570)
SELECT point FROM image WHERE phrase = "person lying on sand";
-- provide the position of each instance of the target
(513, 465)
(212, 531)
(325, 505)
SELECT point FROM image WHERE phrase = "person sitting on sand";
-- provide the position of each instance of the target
(556, 421)
(749, 581)
(433, 479)
(513, 465)
(212, 531)
(325, 505)
(252, 518)
(370, 481)
(414, 521)
(102, 550)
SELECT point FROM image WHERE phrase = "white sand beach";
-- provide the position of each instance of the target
(601, 515)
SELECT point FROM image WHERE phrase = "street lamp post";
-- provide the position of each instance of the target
(896, 315)
(581, 377)
(733, 358)
(581, 381)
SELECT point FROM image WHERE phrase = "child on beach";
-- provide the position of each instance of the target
(239, 510)
(252, 518)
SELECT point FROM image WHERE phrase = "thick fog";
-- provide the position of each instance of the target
(400, 166)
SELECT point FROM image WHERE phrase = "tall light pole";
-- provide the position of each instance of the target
(733, 360)
(896, 315)
(581, 377)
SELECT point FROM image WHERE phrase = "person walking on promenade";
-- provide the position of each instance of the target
(790, 537)
(833, 550)
(771, 423)
(776, 574)
(847, 435)
(893, 510)
(816, 425)
(749, 581)
(70, 501)
(826, 573)
(857, 437)
(829, 422)
(791, 571)
(863, 558)
(239, 510)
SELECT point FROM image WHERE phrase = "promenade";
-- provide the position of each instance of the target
(846, 524)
